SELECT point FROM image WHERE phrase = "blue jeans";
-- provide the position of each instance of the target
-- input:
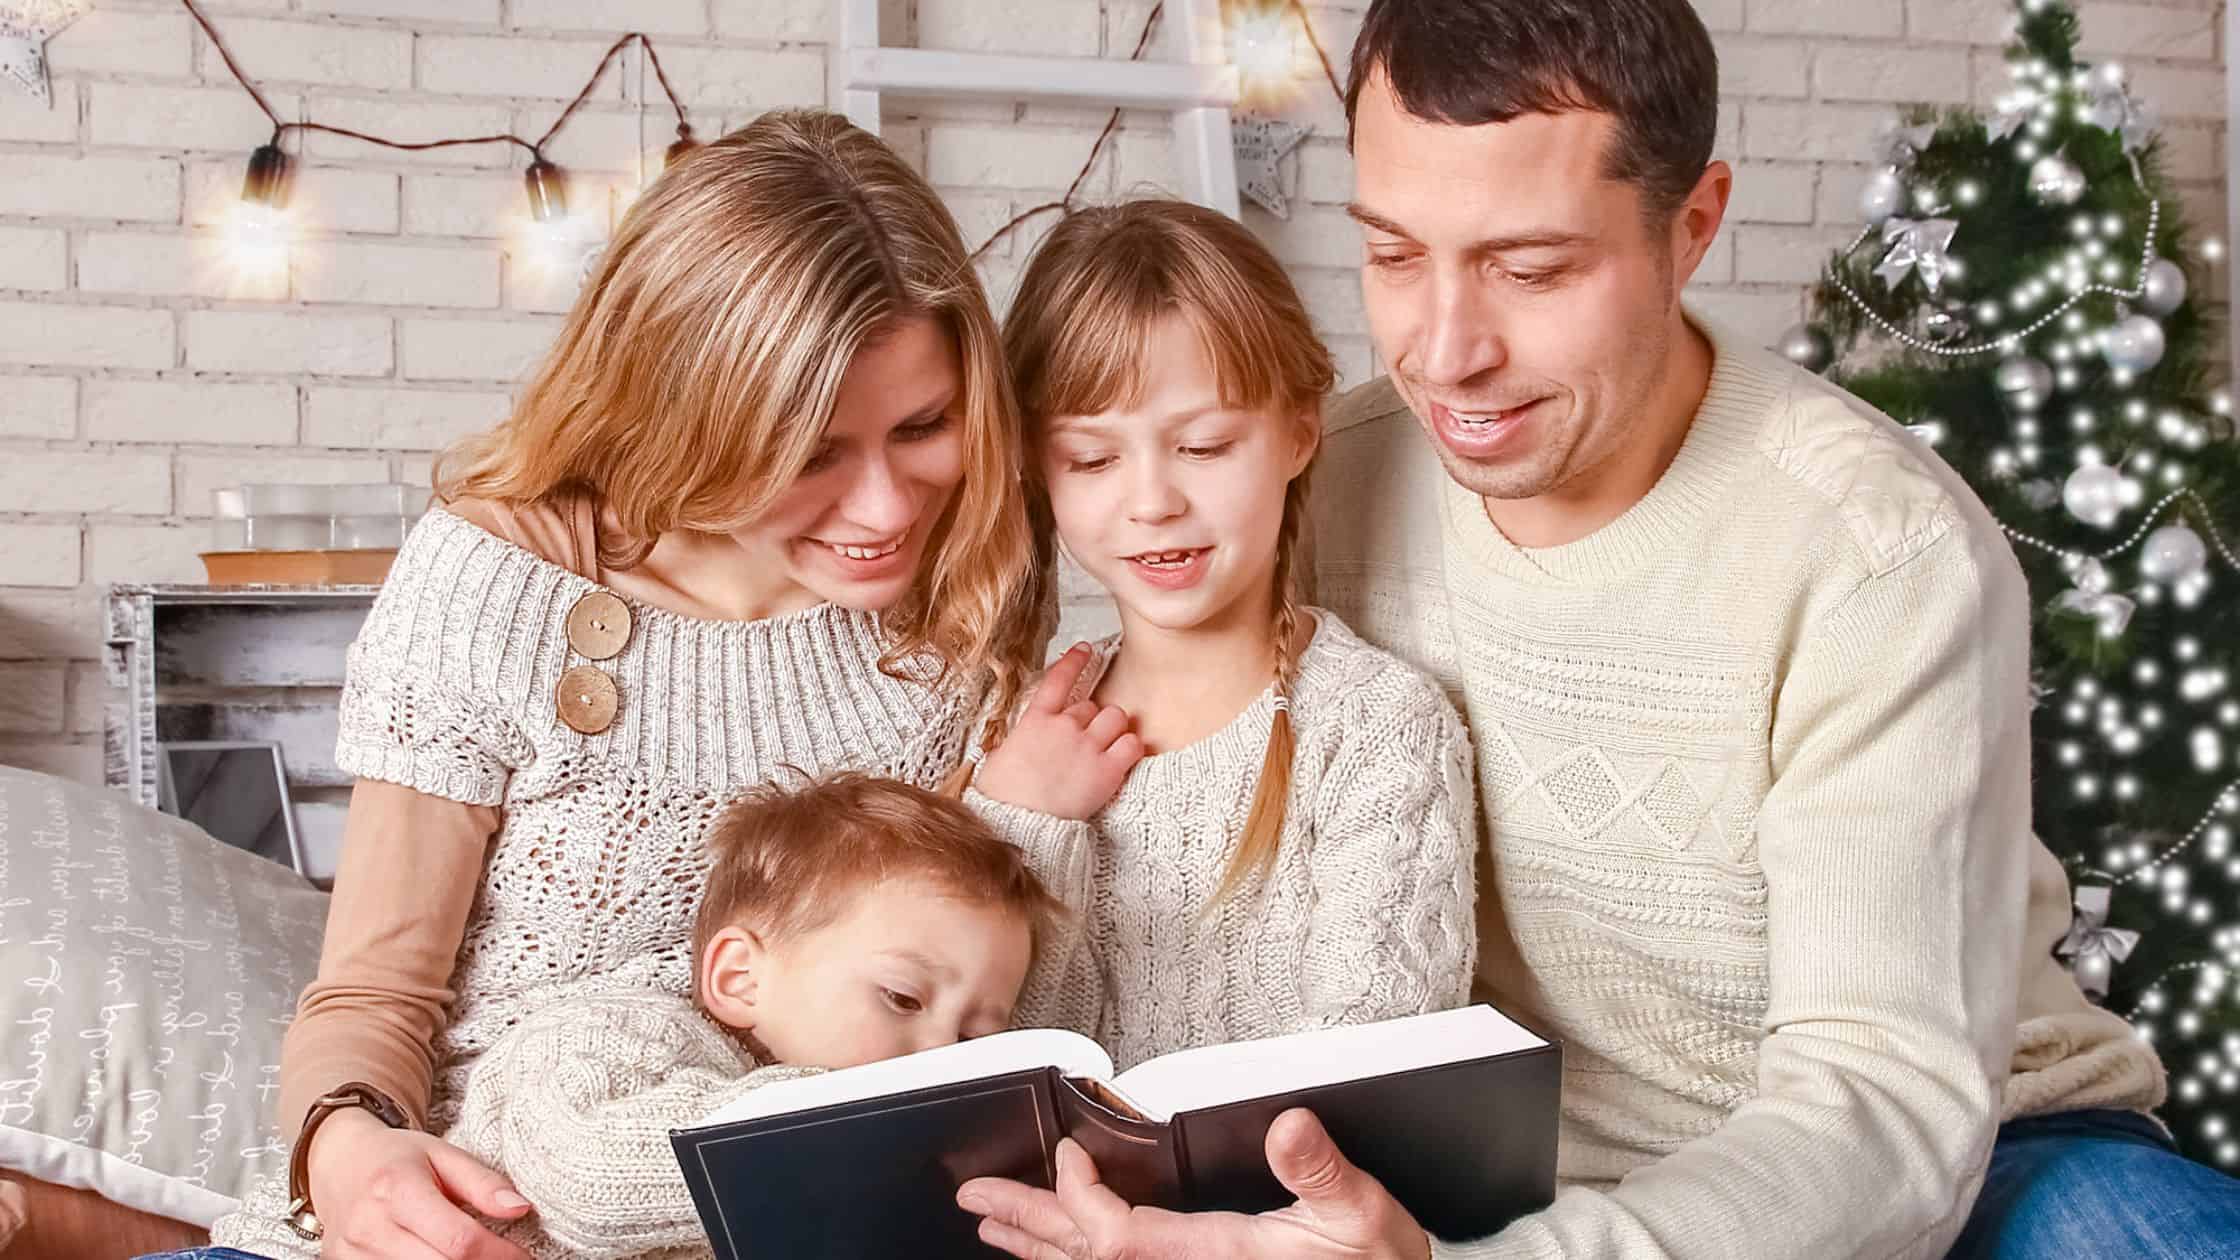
(2098, 1183)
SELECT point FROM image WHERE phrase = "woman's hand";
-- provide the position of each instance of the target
(1060, 759)
(394, 1194)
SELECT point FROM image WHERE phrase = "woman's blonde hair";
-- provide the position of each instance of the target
(697, 372)
(1077, 340)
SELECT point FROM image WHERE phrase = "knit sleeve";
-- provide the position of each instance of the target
(417, 706)
(1393, 865)
(1065, 987)
(1894, 842)
(575, 1105)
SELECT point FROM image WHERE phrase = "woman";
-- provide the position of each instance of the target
(758, 509)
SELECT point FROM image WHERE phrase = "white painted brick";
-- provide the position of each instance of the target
(187, 411)
(1356, 360)
(540, 285)
(33, 258)
(55, 124)
(324, 198)
(443, 12)
(78, 763)
(151, 116)
(199, 475)
(1314, 236)
(472, 349)
(1761, 67)
(601, 140)
(2192, 153)
(412, 122)
(315, 53)
(1143, 165)
(86, 481)
(1771, 192)
(130, 189)
(1758, 316)
(464, 205)
(1123, 26)
(1840, 187)
(1891, 72)
(1325, 173)
(36, 625)
(146, 553)
(1989, 75)
(1004, 157)
(31, 699)
(655, 17)
(398, 419)
(1766, 254)
(131, 262)
(124, 41)
(979, 215)
(759, 78)
(1333, 298)
(1010, 26)
(2145, 30)
(1720, 15)
(774, 19)
(1726, 138)
(38, 407)
(554, 69)
(1959, 21)
(43, 334)
(399, 275)
(1809, 133)
(88, 693)
(417, 471)
(1822, 17)
(2181, 91)
(274, 342)
(37, 555)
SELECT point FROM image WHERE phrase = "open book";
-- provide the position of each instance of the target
(1454, 1112)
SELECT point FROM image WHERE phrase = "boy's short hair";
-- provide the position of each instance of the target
(787, 860)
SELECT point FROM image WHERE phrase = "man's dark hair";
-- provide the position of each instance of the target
(1647, 63)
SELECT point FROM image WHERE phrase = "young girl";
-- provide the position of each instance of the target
(1282, 836)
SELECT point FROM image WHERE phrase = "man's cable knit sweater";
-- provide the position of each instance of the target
(1755, 767)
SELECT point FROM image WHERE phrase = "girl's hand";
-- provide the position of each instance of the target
(394, 1194)
(1060, 759)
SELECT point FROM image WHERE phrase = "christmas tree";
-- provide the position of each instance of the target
(2019, 298)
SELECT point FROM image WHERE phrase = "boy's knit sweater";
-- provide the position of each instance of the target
(1366, 915)
(1755, 766)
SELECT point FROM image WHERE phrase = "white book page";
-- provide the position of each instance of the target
(1190, 1079)
(1004, 1052)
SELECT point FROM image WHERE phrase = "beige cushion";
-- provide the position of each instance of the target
(147, 973)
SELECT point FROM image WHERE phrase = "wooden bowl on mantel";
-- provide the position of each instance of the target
(297, 568)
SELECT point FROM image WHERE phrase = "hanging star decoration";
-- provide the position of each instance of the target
(1260, 143)
(1917, 245)
(25, 28)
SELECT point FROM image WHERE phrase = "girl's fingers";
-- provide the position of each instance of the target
(1057, 684)
(1110, 724)
(1080, 713)
(1125, 752)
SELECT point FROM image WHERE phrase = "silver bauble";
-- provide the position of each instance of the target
(2056, 181)
(1884, 195)
(2094, 494)
(2173, 554)
(1945, 327)
(2164, 289)
(2134, 345)
(2025, 383)
(1807, 347)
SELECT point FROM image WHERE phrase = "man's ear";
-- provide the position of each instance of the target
(1697, 222)
(728, 971)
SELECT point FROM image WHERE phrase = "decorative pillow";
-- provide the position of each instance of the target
(147, 972)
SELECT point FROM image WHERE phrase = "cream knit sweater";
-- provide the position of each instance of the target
(1754, 761)
(575, 1105)
(1367, 914)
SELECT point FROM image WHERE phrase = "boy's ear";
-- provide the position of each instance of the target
(727, 976)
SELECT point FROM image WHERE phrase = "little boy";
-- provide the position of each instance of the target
(850, 920)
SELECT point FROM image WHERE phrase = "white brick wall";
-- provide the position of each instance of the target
(138, 371)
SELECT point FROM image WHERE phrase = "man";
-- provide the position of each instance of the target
(1747, 673)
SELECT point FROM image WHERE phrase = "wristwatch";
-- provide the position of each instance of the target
(354, 1094)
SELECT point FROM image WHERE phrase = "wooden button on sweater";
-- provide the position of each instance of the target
(588, 699)
(599, 625)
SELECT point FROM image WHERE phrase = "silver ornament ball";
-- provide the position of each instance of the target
(1807, 347)
(2094, 494)
(2164, 288)
(2173, 554)
(2056, 181)
(2025, 383)
(1884, 195)
(2134, 344)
